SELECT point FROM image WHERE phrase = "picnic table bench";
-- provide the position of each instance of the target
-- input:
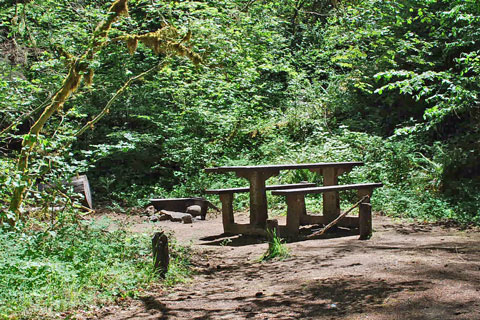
(257, 176)
(297, 215)
(226, 198)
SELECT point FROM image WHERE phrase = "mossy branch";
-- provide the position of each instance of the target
(77, 68)
(163, 41)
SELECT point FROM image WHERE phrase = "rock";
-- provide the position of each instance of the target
(194, 210)
(187, 218)
(164, 217)
(181, 205)
(149, 211)
(154, 218)
(176, 216)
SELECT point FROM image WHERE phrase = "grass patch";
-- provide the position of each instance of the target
(179, 269)
(44, 272)
(276, 248)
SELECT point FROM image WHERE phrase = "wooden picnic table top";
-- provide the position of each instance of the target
(318, 165)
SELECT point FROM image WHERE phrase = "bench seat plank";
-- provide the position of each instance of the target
(316, 190)
(272, 187)
(226, 197)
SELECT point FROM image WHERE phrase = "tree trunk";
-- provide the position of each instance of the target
(69, 86)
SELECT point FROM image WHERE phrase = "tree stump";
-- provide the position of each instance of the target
(161, 258)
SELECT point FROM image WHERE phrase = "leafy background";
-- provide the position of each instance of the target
(392, 83)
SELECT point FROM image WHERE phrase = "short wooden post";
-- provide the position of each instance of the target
(227, 210)
(272, 229)
(161, 258)
(295, 206)
(365, 215)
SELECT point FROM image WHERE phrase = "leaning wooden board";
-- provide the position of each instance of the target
(80, 185)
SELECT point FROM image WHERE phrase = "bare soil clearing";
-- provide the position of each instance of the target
(406, 271)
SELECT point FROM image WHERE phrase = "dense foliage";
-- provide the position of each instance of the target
(77, 265)
(392, 83)
(68, 267)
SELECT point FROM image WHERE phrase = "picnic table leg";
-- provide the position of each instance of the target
(258, 199)
(365, 215)
(227, 210)
(295, 206)
(258, 195)
(331, 201)
(303, 215)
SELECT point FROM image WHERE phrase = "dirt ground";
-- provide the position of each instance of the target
(406, 271)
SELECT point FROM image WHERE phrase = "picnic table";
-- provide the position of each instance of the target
(257, 176)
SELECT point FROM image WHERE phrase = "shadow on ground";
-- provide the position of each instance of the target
(246, 240)
(404, 272)
(327, 298)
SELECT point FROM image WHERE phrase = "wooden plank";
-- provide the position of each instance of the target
(284, 166)
(316, 190)
(247, 229)
(310, 219)
(348, 221)
(303, 212)
(80, 185)
(271, 187)
(258, 200)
